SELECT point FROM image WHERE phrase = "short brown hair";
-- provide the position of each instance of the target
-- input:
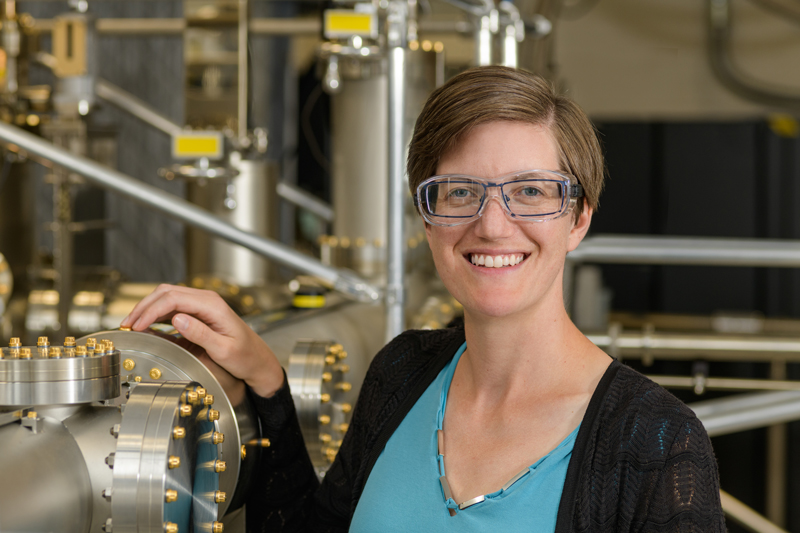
(489, 94)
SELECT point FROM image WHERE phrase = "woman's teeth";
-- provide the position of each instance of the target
(495, 261)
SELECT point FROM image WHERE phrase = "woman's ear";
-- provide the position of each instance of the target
(579, 228)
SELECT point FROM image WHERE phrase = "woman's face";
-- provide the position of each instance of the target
(489, 151)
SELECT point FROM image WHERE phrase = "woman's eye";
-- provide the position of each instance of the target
(459, 193)
(530, 191)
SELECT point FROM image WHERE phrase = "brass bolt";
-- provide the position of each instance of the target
(25, 353)
(171, 495)
(174, 461)
(43, 341)
(69, 341)
(217, 437)
(343, 386)
(324, 419)
(125, 328)
(192, 397)
(185, 410)
(330, 454)
(138, 379)
(244, 452)
(208, 400)
(170, 527)
(213, 414)
(32, 414)
(219, 496)
(201, 392)
(178, 432)
(127, 364)
(220, 466)
(264, 443)
(342, 355)
(324, 438)
(325, 398)
(343, 427)
(80, 351)
(343, 368)
(346, 408)
(155, 373)
(14, 342)
(109, 345)
(330, 359)
(334, 349)
(91, 341)
(217, 527)
(327, 376)
(55, 352)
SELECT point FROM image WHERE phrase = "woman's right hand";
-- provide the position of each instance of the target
(204, 318)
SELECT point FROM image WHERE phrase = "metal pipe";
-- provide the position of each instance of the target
(747, 411)
(187, 212)
(726, 384)
(309, 202)
(687, 251)
(745, 516)
(242, 92)
(722, 64)
(395, 267)
(688, 346)
(136, 107)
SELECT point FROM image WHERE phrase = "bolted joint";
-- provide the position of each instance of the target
(219, 496)
(174, 461)
(178, 432)
(208, 400)
(115, 430)
(217, 527)
(108, 526)
(107, 492)
(217, 437)
(110, 460)
(171, 495)
(170, 527)
(220, 466)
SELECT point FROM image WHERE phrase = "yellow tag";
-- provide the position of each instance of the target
(346, 23)
(193, 145)
(308, 301)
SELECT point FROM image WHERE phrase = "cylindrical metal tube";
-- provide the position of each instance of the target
(744, 515)
(395, 268)
(136, 107)
(724, 416)
(483, 41)
(687, 251)
(186, 212)
(309, 202)
(242, 92)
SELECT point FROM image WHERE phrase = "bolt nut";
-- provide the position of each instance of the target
(108, 526)
(264, 443)
(127, 364)
(217, 437)
(107, 492)
(219, 496)
(125, 328)
(346, 408)
(326, 377)
(185, 410)
(335, 349)
(220, 466)
(174, 461)
(55, 352)
(14, 342)
(24, 353)
(213, 414)
(201, 392)
(208, 400)
(69, 341)
(32, 414)
(330, 359)
(192, 397)
(343, 427)
(244, 452)
(324, 398)
(217, 527)
(110, 460)
(115, 430)
(155, 373)
(170, 527)
(43, 341)
(171, 495)
(80, 351)
(324, 419)
(91, 341)
(324, 438)
(343, 386)
(343, 368)
(178, 432)
(342, 355)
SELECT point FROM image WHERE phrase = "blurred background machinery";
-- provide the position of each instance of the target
(255, 148)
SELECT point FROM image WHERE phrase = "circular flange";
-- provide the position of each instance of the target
(317, 379)
(147, 351)
(41, 380)
(164, 464)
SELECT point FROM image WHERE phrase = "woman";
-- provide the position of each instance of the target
(515, 421)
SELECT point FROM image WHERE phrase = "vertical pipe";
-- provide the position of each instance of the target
(242, 68)
(395, 308)
(483, 55)
(776, 460)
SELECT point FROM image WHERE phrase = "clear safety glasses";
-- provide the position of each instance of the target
(530, 195)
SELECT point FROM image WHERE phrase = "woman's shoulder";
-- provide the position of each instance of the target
(415, 350)
(646, 420)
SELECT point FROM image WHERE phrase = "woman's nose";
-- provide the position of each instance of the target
(495, 221)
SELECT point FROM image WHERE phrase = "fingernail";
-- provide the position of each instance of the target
(124, 322)
(180, 322)
(136, 325)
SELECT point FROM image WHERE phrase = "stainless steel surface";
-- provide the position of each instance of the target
(182, 210)
(45, 483)
(395, 264)
(41, 381)
(726, 384)
(135, 106)
(309, 202)
(747, 411)
(747, 517)
(243, 72)
(687, 251)
(142, 473)
(311, 375)
(149, 351)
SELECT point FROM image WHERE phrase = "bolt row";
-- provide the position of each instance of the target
(92, 348)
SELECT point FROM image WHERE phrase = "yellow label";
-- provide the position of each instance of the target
(344, 23)
(307, 301)
(192, 145)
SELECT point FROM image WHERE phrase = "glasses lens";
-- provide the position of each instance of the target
(453, 197)
(535, 197)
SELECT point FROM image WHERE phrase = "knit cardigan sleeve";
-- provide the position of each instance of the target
(648, 466)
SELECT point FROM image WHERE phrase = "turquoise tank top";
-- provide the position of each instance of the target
(403, 491)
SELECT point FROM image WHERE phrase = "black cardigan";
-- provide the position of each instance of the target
(641, 462)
